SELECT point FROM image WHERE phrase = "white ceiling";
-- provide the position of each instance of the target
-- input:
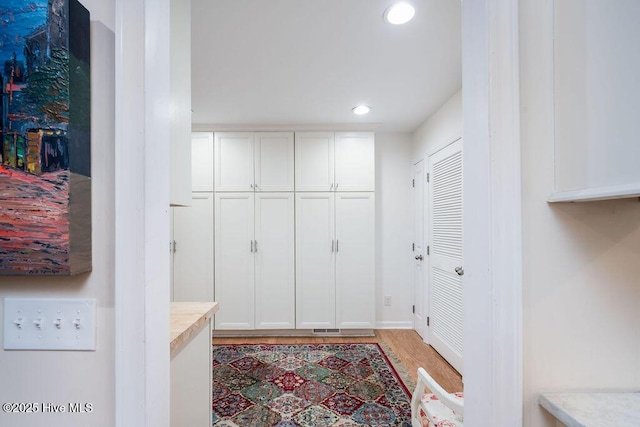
(308, 62)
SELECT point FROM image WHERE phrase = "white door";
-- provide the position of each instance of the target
(234, 260)
(193, 251)
(234, 161)
(315, 261)
(314, 161)
(354, 161)
(274, 161)
(274, 258)
(419, 252)
(355, 260)
(445, 332)
(202, 161)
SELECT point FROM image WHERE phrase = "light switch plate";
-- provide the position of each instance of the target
(49, 324)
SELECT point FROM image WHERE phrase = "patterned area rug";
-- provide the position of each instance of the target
(309, 385)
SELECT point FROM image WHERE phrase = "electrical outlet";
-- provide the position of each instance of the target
(387, 301)
(49, 324)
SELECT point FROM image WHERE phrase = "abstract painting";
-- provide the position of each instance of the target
(45, 140)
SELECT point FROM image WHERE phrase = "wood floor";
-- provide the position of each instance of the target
(406, 344)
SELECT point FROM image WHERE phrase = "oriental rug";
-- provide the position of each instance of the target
(307, 385)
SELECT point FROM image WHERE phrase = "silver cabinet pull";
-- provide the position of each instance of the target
(336, 186)
(255, 246)
(337, 247)
(331, 188)
(419, 257)
(459, 270)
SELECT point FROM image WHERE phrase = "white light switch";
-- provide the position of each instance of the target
(49, 324)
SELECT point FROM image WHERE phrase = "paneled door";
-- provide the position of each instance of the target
(193, 250)
(234, 260)
(355, 260)
(314, 161)
(274, 260)
(202, 161)
(234, 161)
(315, 261)
(273, 161)
(354, 161)
(446, 269)
(419, 252)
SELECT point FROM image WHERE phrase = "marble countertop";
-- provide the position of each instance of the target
(187, 318)
(593, 409)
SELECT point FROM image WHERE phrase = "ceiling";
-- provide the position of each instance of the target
(308, 62)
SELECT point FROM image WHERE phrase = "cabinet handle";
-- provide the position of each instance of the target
(336, 186)
(251, 246)
(337, 247)
(331, 188)
(256, 246)
(251, 185)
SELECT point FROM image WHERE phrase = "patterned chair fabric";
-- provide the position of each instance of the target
(438, 408)
(432, 413)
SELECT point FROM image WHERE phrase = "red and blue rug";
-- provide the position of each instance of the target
(308, 385)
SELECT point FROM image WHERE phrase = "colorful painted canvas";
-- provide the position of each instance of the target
(45, 145)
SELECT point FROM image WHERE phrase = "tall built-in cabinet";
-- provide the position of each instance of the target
(335, 230)
(254, 233)
(192, 228)
(293, 225)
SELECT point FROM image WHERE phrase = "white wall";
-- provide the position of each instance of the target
(64, 377)
(393, 230)
(580, 261)
(441, 128)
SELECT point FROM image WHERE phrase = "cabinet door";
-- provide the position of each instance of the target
(274, 161)
(314, 161)
(234, 161)
(355, 161)
(274, 258)
(234, 266)
(193, 256)
(315, 261)
(355, 260)
(202, 161)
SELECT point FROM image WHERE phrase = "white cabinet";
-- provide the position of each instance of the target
(355, 161)
(274, 261)
(180, 93)
(202, 161)
(335, 260)
(315, 260)
(193, 250)
(234, 161)
(355, 260)
(314, 161)
(260, 161)
(341, 161)
(273, 161)
(254, 255)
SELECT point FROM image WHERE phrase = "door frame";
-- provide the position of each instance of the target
(425, 276)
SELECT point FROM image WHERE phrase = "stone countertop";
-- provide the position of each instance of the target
(600, 409)
(187, 318)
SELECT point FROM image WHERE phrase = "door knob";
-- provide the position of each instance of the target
(459, 270)
(419, 257)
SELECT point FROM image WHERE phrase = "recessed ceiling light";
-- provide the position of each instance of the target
(399, 13)
(361, 109)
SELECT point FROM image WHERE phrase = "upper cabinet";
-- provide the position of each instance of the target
(180, 92)
(248, 161)
(596, 99)
(202, 162)
(341, 161)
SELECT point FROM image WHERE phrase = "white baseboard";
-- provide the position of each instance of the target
(395, 325)
(292, 333)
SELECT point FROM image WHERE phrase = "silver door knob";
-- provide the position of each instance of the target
(459, 270)
(419, 257)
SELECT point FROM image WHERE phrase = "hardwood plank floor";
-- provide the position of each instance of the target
(406, 344)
